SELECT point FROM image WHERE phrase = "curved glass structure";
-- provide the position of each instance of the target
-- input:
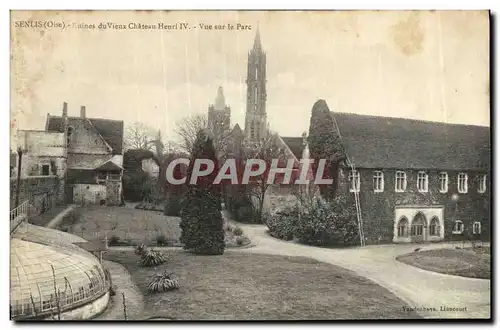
(48, 273)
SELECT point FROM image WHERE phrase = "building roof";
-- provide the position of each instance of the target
(295, 144)
(110, 130)
(387, 142)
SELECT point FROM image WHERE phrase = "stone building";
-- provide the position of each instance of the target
(415, 180)
(93, 150)
(42, 170)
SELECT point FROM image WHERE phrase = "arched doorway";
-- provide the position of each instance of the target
(403, 227)
(434, 228)
(418, 227)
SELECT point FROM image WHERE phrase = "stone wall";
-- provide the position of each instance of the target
(85, 312)
(378, 208)
(43, 192)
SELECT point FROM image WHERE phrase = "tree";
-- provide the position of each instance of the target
(324, 143)
(267, 149)
(201, 218)
(188, 128)
(139, 136)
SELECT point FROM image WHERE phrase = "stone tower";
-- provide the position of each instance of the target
(256, 127)
(219, 115)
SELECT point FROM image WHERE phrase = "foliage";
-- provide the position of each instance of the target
(153, 258)
(139, 249)
(139, 136)
(161, 240)
(317, 222)
(114, 241)
(163, 282)
(238, 231)
(188, 128)
(201, 219)
(324, 143)
(240, 241)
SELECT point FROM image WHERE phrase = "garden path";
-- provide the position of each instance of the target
(418, 288)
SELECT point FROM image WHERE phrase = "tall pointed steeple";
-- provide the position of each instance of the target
(220, 100)
(256, 118)
(256, 43)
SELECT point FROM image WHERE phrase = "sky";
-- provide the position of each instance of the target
(427, 65)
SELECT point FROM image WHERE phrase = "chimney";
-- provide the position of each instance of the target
(65, 109)
(82, 111)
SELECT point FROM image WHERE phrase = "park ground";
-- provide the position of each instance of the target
(273, 279)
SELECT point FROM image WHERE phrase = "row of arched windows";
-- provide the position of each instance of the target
(417, 227)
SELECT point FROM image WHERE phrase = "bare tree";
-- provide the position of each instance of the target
(189, 126)
(187, 129)
(266, 149)
(139, 136)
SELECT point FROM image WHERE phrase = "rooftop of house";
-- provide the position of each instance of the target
(295, 144)
(388, 142)
(110, 130)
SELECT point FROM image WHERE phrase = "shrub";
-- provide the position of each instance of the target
(201, 219)
(331, 223)
(240, 241)
(161, 240)
(283, 224)
(173, 205)
(317, 222)
(114, 240)
(163, 282)
(139, 249)
(153, 258)
(238, 231)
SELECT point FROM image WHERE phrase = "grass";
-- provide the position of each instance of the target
(240, 286)
(130, 226)
(475, 263)
(44, 218)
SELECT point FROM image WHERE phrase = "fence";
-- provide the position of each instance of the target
(18, 215)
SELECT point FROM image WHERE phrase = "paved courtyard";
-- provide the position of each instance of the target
(418, 288)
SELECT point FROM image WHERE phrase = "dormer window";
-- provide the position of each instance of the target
(378, 181)
(354, 181)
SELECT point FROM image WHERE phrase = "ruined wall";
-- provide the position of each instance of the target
(43, 192)
(378, 208)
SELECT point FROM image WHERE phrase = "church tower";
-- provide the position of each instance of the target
(219, 115)
(256, 127)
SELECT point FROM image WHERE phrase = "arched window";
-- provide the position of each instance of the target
(434, 227)
(403, 227)
(418, 224)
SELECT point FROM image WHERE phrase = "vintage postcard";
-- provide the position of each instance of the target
(250, 165)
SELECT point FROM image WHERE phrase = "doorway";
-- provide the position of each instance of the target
(418, 228)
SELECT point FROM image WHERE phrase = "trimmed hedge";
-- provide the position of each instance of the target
(201, 218)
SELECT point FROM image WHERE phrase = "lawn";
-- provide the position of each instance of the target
(475, 263)
(243, 286)
(129, 226)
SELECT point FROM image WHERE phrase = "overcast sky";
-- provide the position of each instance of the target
(424, 65)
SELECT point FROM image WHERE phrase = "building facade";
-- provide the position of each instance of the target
(416, 181)
(93, 152)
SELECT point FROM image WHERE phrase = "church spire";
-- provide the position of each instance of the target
(220, 100)
(256, 43)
